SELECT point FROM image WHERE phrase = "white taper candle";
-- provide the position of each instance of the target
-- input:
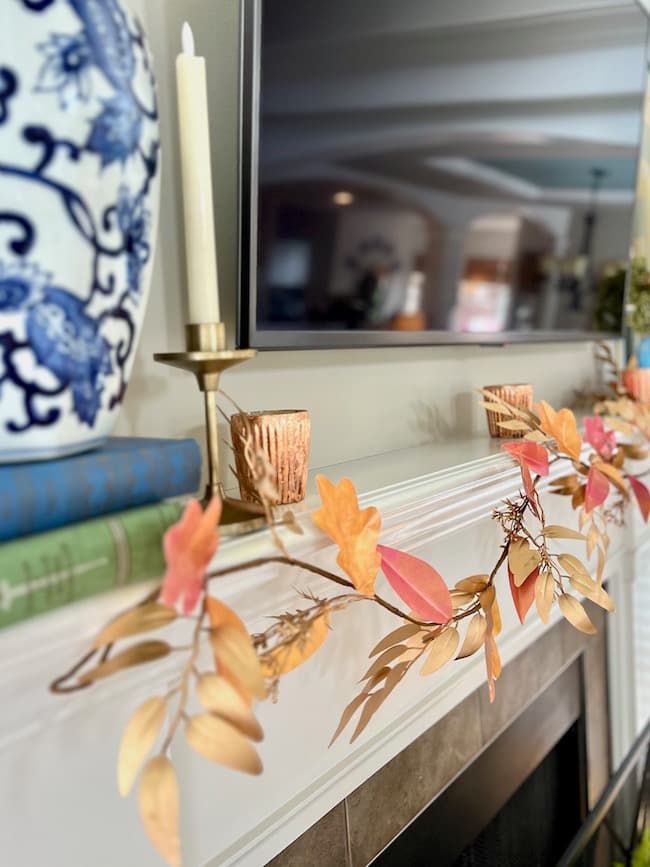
(202, 283)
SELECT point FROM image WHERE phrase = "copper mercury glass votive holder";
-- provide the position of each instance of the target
(284, 436)
(519, 395)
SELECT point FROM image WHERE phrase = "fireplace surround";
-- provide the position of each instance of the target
(558, 684)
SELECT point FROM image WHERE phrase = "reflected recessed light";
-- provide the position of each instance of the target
(343, 197)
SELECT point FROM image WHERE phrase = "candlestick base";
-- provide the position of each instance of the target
(207, 358)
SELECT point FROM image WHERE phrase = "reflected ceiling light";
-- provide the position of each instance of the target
(343, 197)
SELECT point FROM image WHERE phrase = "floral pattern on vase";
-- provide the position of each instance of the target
(79, 184)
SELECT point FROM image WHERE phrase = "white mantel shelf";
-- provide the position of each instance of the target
(434, 499)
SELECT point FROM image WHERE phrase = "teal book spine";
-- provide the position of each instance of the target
(125, 473)
(48, 570)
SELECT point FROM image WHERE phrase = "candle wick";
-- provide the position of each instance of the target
(187, 39)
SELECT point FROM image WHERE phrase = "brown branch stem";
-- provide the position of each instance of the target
(185, 679)
(316, 570)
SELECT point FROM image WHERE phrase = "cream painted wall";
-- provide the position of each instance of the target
(362, 401)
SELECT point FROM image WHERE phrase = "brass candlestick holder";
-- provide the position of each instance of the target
(207, 358)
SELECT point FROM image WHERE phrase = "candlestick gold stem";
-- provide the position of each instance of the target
(207, 358)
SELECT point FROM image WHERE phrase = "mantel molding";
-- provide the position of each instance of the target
(430, 501)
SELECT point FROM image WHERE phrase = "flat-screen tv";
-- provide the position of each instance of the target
(437, 171)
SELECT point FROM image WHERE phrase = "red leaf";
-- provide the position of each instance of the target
(529, 488)
(531, 455)
(642, 495)
(417, 583)
(524, 595)
(597, 489)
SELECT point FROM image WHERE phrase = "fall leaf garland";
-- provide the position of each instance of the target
(215, 708)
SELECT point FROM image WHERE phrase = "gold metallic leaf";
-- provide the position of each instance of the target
(137, 654)
(290, 522)
(574, 612)
(443, 648)
(143, 618)
(593, 538)
(473, 584)
(634, 452)
(488, 597)
(589, 588)
(555, 531)
(458, 599)
(474, 637)
(219, 696)
(288, 656)
(514, 424)
(495, 614)
(492, 663)
(536, 436)
(494, 403)
(139, 737)
(395, 637)
(567, 482)
(217, 740)
(492, 407)
(579, 497)
(544, 593)
(573, 566)
(158, 801)
(619, 425)
(601, 566)
(234, 649)
(522, 560)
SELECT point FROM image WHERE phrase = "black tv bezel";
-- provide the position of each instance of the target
(248, 334)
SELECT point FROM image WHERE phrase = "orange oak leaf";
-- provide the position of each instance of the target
(355, 531)
(524, 595)
(597, 489)
(418, 584)
(492, 658)
(189, 545)
(560, 425)
(642, 495)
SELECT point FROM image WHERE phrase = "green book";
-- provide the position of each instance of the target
(42, 572)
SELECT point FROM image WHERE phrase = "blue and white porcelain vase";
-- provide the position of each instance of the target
(79, 191)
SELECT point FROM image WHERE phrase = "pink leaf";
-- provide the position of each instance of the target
(523, 595)
(642, 495)
(189, 545)
(417, 583)
(597, 489)
(531, 455)
(604, 441)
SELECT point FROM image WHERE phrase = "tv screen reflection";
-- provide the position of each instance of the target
(422, 174)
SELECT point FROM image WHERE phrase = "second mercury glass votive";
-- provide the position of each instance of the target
(519, 395)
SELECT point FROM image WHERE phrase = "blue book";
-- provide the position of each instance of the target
(124, 473)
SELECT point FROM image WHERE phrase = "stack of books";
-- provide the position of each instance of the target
(81, 525)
